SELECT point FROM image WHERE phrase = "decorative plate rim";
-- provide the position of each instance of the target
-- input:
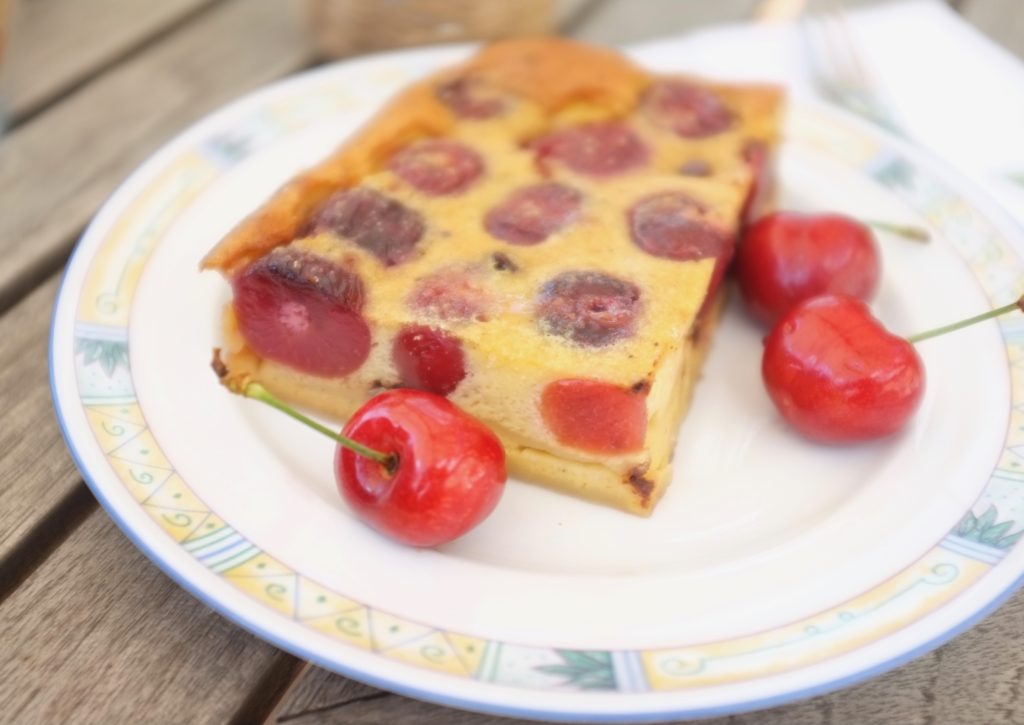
(598, 707)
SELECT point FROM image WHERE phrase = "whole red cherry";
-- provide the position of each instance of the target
(446, 471)
(410, 463)
(787, 257)
(837, 375)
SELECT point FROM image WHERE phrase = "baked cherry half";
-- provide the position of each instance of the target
(532, 214)
(304, 311)
(595, 149)
(438, 167)
(428, 358)
(689, 110)
(595, 416)
(386, 228)
(589, 308)
(671, 224)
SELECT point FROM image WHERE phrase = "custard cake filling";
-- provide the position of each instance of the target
(544, 250)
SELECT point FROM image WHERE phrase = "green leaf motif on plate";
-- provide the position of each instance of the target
(987, 529)
(896, 173)
(110, 354)
(585, 670)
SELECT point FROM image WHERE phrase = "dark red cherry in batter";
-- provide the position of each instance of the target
(531, 214)
(438, 167)
(837, 375)
(302, 310)
(589, 308)
(428, 358)
(788, 257)
(689, 110)
(671, 225)
(386, 228)
(594, 149)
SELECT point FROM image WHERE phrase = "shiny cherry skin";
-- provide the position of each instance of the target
(837, 375)
(788, 257)
(449, 470)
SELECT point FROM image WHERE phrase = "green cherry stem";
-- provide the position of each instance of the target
(1018, 305)
(907, 231)
(257, 392)
(248, 388)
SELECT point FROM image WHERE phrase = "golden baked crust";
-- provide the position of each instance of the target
(554, 73)
(511, 360)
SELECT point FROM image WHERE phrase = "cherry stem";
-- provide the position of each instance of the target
(1018, 305)
(907, 231)
(241, 383)
(256, 391)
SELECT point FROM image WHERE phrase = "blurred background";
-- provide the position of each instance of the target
(90, 88)
(51, 47)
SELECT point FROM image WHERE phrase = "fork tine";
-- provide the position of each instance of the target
(819, 58)
(844, 42)
(837, 67)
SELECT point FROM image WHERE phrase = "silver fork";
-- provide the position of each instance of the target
(839, 74)
(838, 70)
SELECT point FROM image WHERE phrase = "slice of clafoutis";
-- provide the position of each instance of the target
(538, 234)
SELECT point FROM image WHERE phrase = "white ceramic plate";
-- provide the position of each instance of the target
(773, 569)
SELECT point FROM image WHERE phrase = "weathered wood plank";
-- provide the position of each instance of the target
(99, 635)
(55, 171)
(61, 42)
(1001, 20)
(37, 474)
(973, 680)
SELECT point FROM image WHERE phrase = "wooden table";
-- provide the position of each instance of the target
(91, 631)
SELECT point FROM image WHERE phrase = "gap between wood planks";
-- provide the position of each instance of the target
(43, 539)
(332, 706)
(43, 497)
(97, 635)
(270, 693)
